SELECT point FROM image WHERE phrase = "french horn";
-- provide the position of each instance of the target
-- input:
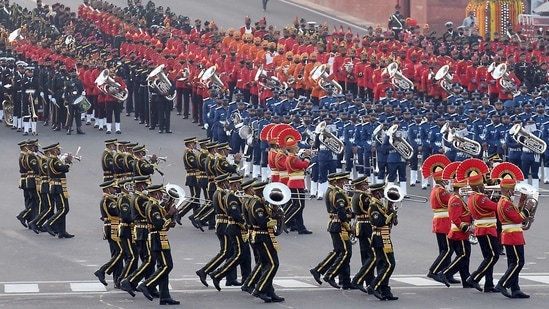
(109, 86)
(158, 79)
(397, 78)
(400, 144)
(527, 139)
(328, 139)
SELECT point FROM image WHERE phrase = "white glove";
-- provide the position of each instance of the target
(49, 96)
(42, 94)
(228, 133)
(206, 126)
(83, 92)
(0, 83)
(63, 96)
(53, 100)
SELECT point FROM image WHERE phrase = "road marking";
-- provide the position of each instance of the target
(416, 281)
(21, 288)
(542, 279)
(87, 287)
(291, 283)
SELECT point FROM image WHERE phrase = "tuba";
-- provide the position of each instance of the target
(501, 73)
(527, 139)
(270, 81)
(208, 77)
(328, 139)
(445, 79)
(107, 85)
(158, 79)
(320, 76)
(529, 201)
(277, 194)
(397, 78)
(15, 35)
(399, 143)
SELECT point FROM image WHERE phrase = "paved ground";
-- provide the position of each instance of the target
(46, 272)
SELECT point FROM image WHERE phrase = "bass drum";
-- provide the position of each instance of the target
(82, 104)
(7, 106)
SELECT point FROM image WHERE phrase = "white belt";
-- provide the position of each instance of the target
(297, 177)
(285, 173)
(485, 221)
(322, 147)
(511, 226)
(442, 214)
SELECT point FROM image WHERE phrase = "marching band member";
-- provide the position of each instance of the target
(73, 90)
(363, 231)
(142, 166)
(441, 224)
(461, 227)
(483, 211)
(236, 224)
(138, 204)
(159, 217)
(296, 167)
(191, 161)
(264, 243)
(383, 217)
(110, 215)
(43, 187)
(396, 164)
(25, 214)
(221, 222)
(107, 159)
(113, 105)
(129, 249)
(530, 161)
(30, 95)
(57, 170)
(247, 199)
(512, 216)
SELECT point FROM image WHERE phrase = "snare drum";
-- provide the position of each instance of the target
(82, 104)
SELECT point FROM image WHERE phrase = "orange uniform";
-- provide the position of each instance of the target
(483, 211)
(460, 218)
(439, 204)
(511, 218)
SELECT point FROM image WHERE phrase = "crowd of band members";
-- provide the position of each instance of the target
(43, 179)
(356, 64)
(136, 217)
(323, 105)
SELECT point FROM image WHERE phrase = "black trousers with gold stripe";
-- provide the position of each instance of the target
(488, 246)
(254, 275)
(221, 256)
(294, 213)
(515, 262)
(146, 268)
(164, 265)
(462, 249)
(341, 264)
(269, 266)
(368, 259)
(385, 266)
(444, 254)
(129, 255)
(58, 221)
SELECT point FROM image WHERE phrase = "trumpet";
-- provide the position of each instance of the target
(158, 159)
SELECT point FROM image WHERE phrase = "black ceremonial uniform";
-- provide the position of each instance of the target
(159, 221)
(46, 207)
(339, 208)
(129, 249)
(264, 242)
(59, 196)
(363, 231)
(110, 215)
(138, 204)
(107, 164)
(73, 90)
(382, 218)
(190, 161)
(58, 86)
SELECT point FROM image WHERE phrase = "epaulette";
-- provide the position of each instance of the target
(220, 107)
